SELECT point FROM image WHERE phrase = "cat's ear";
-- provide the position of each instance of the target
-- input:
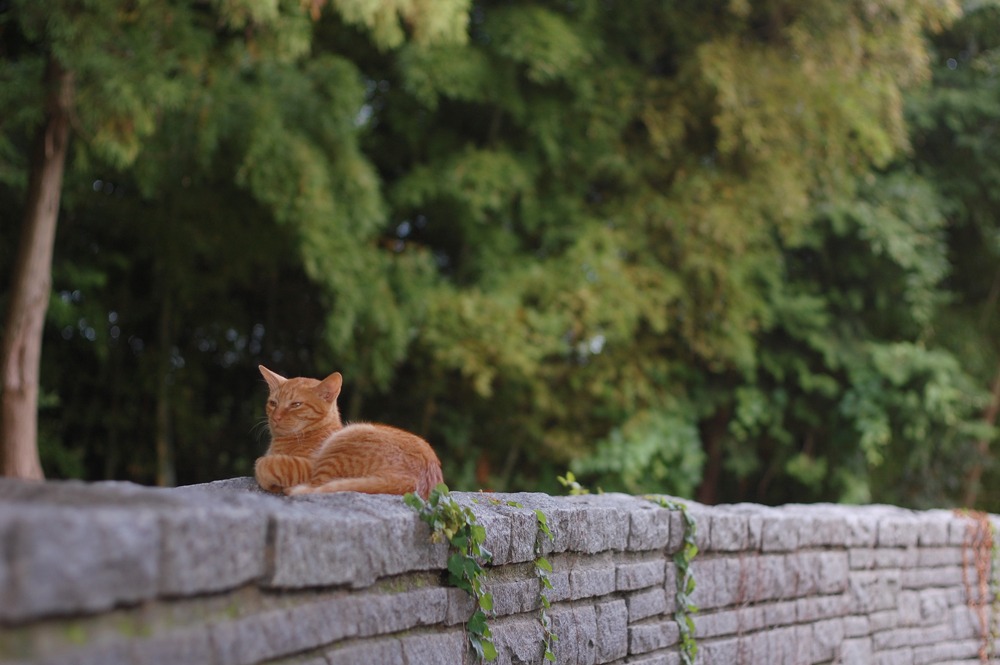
(273, 380)
(329, 387)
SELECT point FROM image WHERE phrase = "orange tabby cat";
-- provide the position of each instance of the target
(312, 451)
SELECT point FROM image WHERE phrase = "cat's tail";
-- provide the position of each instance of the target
(430, 478)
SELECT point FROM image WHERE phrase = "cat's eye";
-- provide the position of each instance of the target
(272, 403)
(295, 405)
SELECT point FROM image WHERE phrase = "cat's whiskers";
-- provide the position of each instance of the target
(259, 429)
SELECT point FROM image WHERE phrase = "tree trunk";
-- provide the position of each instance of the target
(166, 474)
(713, 433)
(31, 284)
(974, 479)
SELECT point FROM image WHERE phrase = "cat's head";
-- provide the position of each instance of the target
(300, 405)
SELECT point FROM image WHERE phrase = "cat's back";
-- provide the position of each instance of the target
(364, 448)
(380, 439)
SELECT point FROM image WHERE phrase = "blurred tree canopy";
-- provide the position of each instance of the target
(734, 250)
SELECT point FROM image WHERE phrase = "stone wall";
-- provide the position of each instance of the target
(222, 573)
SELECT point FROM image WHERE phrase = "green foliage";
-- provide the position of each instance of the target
(458, 526)
(752, 255)
(651, 451)
(570, 483)
(686, 583)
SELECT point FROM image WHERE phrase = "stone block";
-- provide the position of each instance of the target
(861, 530)
(729, 532)
(897, 531)
(827, 636)
(593, 525)
(719, 651)
(430, 648)
(856, 626)
(348, 539)
(206, 550)
(812, 572)
(649, 603)
(933, 527)
(780, 533)
(652, 635)
(964, 622)
(518, 525)
(861, 558)
(581, 524)
(191, 645)
(587, 576)
(518, 640)
(958, 530)
(718, 624)
(114, 653)
(511, 595)
(947, 652)
(899, 638)
(937, 557)
(498, 534)
(856, 652)
(823, 530)
(817, 608)
(640, 574)
(874, 590)
(935, 603)
(393, 612)
(909, 608)
(883, 620)
(669, 658)
(784, 613)
(384, 651)
(576, 627)
(924, 578)
(893, 657)
(649, 528)
(612, 620)
(460, 606)
(897, 558)
(271, 634)
(88, 559)
(590, 582)
(705, 593)
(310, 625)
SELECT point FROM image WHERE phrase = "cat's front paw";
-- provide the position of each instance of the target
(265, 473)
(299, 489)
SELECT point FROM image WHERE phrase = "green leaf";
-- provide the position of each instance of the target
(456, 564)
(477, 623)
(486, 602)
(489, 651)
(543, 564)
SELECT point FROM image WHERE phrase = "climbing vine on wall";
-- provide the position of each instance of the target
(457, 524)
(685, 608)
(979, 555)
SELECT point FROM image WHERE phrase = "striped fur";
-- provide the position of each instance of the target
(312, 451)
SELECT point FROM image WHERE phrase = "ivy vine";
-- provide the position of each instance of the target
(979, 553)
(685, 608)
(542, 570)
(457, 524)
(466, 538)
